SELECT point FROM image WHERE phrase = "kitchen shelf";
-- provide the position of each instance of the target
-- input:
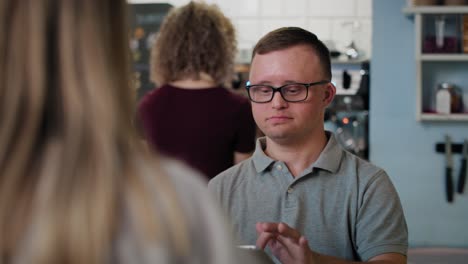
(442, 117)
(434, 68)
(341, 60)
(444, 57)
(436, 10)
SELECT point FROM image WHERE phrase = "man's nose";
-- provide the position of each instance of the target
(278, 101)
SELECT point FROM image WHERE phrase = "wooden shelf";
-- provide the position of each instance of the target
(444, 118)
(348, 61)
(436, 10)
(444, 57)
(419, 13)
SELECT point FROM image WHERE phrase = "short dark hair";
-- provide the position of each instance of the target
(286, 37)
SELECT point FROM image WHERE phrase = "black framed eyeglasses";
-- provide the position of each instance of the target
(291, 92)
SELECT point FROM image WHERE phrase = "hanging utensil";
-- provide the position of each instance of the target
(448, 169)
(463, 169)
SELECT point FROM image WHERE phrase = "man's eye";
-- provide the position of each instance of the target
(293, 89)
(263, 89)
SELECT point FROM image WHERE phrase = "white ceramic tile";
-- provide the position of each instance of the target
(283, 8)
(320, 27)
(247, 7)
(145, 1)
(364, 8)
(172, 2)
(268, 25)
(226, 7)
(332, 8)
(240, 8)
(271, 7)
(363, 37)
(343, 33)
(178, 2)
(248, 32)
(254, 18)
(295, 7)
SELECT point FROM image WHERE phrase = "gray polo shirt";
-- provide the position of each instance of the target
(345, 206)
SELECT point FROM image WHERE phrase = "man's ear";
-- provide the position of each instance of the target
(330, 92)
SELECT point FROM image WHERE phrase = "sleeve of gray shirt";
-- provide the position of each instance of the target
(380, 226)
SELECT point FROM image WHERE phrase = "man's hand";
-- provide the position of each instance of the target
(286, 243)
(290, 247)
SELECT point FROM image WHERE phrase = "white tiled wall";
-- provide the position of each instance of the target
(337, 22)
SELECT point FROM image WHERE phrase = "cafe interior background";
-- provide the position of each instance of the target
(386, 108)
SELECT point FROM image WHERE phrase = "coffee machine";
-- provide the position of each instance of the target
(348, 114)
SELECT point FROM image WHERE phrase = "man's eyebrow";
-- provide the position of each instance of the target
(290, 81)
(270, 83)
(258, 83)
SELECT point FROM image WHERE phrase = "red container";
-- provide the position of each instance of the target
(450, 45)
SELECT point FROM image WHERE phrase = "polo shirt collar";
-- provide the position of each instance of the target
(260, 159)
(329, 158)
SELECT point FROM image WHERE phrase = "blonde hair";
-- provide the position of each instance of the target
(193, 39)
(70, 166)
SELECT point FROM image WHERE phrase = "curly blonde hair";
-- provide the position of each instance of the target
(194, 38)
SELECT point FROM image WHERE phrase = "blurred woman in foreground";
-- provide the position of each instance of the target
(75, 186)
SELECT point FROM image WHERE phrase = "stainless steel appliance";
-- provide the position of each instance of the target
(348, 115)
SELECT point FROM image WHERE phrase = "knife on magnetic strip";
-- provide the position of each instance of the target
(448, 169)
(463, 169)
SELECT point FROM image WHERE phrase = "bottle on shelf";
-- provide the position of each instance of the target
(448, 99)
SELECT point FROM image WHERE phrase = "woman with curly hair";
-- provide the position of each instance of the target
(192, 116)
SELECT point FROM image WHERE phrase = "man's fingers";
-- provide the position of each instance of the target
(287, 242)
(263, 239)
(280, 228)
(287, 231)
(303, 242)
(291, 246)
(297, 250)
(266, 227)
